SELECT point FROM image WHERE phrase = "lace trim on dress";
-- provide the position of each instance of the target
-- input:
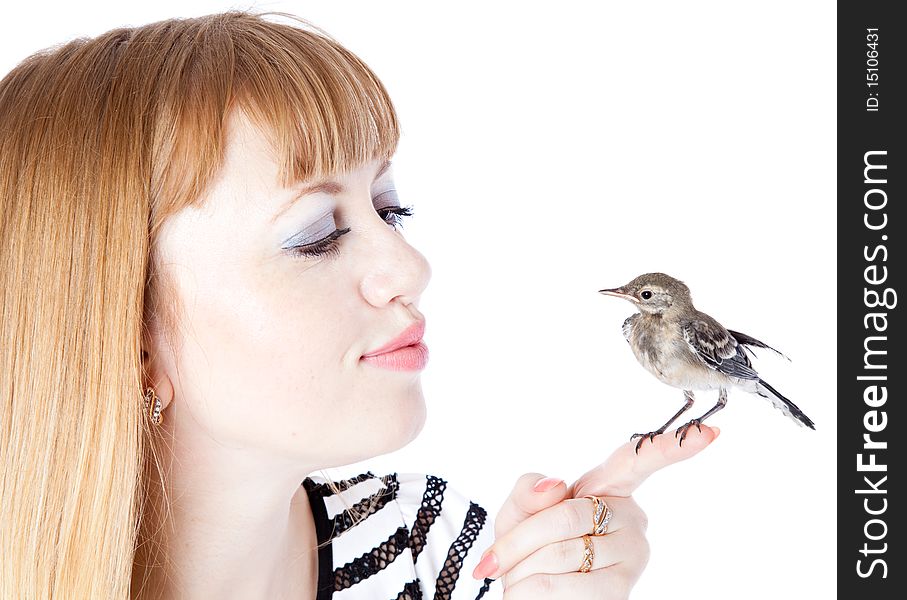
(486, 585)
(428, 512)
(372, 562)
(414, 537)
(324, 490)
(447, 578)
(411, 591)
(367, 506)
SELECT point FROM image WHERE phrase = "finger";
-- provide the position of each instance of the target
(628, 545)
(568, 519)
(533, 492)
(611, 583)
(625, 469)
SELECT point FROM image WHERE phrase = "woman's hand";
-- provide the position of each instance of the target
(539, 530)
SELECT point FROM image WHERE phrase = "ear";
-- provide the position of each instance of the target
(156, 369)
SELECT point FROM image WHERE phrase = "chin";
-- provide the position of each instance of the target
(374, 422)
(409, 421)
(402, 426)
(417, 423)
(382, 432)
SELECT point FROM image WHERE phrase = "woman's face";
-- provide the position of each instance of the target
(269, 350)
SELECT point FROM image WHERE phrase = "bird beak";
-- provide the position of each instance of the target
(618, 293)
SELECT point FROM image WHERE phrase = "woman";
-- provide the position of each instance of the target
(206, 299)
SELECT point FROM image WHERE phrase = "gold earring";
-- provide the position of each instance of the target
(153, 406)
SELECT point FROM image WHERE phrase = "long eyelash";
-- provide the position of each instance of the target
(394, 215)
(326, 246)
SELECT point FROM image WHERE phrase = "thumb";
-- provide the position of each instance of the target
(532, 493)
(625, 469)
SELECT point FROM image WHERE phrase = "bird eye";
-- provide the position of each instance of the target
(646, 295)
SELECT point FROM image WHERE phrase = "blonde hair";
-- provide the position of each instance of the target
(101, 140)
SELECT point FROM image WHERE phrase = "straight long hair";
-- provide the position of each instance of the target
(101, 140)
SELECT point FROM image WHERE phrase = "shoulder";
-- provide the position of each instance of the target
(707, 336)
(402, 531)
(449, 534)
(716, 347)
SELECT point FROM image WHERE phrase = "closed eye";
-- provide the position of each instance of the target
(394, 215)
(328, 246)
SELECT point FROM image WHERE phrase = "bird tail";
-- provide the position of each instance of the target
(746, 341)
(786, 406)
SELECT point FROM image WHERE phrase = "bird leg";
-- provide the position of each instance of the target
(651, 435)
(722, 401)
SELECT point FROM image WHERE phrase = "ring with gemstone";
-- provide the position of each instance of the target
(588, 555)
(601, 515)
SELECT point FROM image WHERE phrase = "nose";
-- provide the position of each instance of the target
(395, 270)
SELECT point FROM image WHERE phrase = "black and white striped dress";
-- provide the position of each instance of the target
(415, 539)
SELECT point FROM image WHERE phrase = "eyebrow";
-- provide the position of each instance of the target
(328, 187)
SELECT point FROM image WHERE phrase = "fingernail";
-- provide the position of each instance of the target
(717, 433)
(487, 566)
(546, 483)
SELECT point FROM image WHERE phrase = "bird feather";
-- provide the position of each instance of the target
(747, 340)
(717, 347)
(627, 327)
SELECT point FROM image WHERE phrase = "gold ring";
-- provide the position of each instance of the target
(588, 555)
(601, 515)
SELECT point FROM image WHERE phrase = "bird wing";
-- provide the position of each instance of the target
(746, 340)
(627, 327)
(717, 347)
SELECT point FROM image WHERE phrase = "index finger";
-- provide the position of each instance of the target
(625, 470)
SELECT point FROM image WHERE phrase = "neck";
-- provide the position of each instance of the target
(240, 523)
(674, 313)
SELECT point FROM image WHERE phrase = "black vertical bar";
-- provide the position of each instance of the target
(872, 225)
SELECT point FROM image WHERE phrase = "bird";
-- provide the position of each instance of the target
(688, 349)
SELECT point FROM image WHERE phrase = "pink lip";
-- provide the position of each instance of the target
(406, 352)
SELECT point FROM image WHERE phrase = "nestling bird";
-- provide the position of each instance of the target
(688, 349)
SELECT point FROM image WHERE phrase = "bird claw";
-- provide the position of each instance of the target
(682, 430)
(642, 437)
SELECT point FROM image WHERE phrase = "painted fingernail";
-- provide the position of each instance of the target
(487, 566)
(546, 483)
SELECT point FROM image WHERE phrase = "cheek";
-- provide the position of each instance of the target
(271, 361)
(265, 354)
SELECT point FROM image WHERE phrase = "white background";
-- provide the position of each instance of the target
(553, 151)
